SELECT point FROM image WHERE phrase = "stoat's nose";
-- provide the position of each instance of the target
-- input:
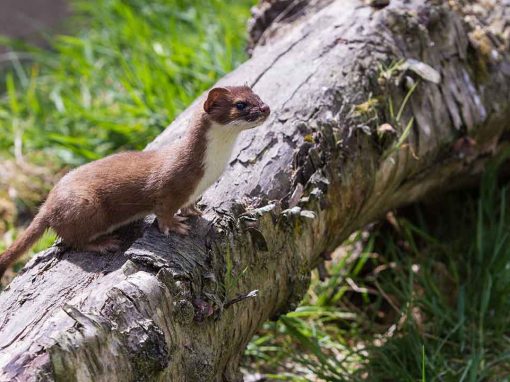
(265, 109)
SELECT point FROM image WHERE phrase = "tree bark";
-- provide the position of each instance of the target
(372, 108)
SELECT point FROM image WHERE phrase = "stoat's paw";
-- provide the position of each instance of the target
(181, 228)
(104, 245)
(174, 225)
(190, 211)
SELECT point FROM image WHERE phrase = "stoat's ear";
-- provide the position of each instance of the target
(213, 96)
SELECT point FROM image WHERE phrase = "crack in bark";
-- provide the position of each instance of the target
(298, 88)
(278, 57)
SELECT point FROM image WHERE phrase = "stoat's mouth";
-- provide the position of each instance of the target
(258, 117)
(252, 118)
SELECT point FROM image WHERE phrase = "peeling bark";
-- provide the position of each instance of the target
(178, 308)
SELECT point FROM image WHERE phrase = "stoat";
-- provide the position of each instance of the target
(90, 202)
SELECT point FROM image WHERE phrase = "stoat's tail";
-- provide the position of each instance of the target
(28, 238)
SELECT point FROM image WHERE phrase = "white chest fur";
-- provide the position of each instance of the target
(220, 142)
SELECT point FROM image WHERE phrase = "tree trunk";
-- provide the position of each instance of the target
(373, 107)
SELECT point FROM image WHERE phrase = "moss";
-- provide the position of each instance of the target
(148, 352)
(184, 312)
(479, 65)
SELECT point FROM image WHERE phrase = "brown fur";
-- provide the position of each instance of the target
(94, 199)
(221, 105)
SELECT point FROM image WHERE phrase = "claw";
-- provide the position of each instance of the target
(174, 225)
(190, 210)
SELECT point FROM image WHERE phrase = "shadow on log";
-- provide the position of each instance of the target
(373, 108)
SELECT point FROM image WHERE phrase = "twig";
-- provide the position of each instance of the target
(239, 298)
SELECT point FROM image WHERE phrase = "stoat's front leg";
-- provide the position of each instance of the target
(169, 222)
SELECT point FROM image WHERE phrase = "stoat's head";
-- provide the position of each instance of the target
(236, 106)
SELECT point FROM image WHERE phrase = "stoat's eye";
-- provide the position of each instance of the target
(241, 105)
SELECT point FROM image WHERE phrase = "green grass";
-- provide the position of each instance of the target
(121, 76)
(422, 299)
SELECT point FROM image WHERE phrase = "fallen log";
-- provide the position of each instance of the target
(373, 107)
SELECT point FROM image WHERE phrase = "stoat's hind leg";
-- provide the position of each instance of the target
(190, 210)
(104, 244)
